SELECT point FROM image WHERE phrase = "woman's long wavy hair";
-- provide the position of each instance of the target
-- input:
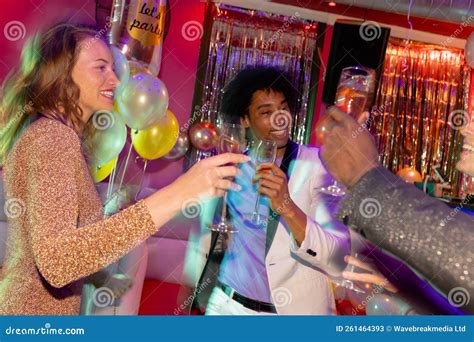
(42, 83)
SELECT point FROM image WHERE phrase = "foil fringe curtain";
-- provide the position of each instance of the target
(423, 88)
(240, 38)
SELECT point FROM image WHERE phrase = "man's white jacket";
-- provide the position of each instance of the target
(297, 274)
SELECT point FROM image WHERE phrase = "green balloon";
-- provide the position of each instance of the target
(104, 137)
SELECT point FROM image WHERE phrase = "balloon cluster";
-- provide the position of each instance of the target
(141, 103)
(136, 31)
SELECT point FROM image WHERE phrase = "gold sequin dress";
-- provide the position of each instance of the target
(57, 234)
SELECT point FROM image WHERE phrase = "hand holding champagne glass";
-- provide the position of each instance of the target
(265, 153)
(356, 86)
(354, 92)
(231, 139)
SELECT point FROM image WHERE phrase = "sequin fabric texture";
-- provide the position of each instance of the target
(57, 234)
(433, 238)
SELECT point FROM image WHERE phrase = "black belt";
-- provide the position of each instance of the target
(251, 304)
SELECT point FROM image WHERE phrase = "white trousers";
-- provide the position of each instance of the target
(221, 304)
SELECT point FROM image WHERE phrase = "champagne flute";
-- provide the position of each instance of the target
(355, 89)
(346, 283)
(265, 153)
(231, 139)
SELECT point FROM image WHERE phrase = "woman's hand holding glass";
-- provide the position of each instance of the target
(207, 179)
(231, 139)
(211, 177)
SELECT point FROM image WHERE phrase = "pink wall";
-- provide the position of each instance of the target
(31, 16)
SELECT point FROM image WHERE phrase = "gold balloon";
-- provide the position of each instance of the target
(158, 140)
(409, 175)
(99, 173)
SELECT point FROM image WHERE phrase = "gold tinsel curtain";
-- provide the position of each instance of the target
(421, 104)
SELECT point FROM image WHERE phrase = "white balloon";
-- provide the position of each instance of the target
(469, 51)
(385, 305)
(142, 101)
(121, 65)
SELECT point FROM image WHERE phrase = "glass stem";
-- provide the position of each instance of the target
(255, 210)
(224, 208)
(352, 266)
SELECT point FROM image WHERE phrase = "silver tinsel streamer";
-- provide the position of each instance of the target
(238, 42)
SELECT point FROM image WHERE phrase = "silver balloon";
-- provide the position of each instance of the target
(203, 136)
(121, 66)
(137, 27)
(104, 137)
(180, 148)
(143, 101)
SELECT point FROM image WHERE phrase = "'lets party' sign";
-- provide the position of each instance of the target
(146, 21)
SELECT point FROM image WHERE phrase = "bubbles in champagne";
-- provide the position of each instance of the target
(351, 101)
